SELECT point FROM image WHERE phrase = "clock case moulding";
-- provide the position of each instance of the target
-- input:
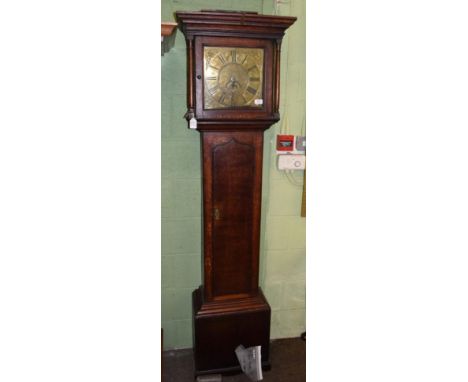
(246, 29)
(230, 309)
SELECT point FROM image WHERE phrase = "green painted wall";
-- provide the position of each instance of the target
(282, 266)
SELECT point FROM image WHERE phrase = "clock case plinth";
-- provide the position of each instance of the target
(230, 309)
(219, 327)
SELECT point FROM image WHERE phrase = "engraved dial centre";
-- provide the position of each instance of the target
(233, 78)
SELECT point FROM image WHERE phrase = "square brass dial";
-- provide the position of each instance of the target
(233, 77)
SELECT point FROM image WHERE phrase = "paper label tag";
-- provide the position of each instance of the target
(193, 123)
(258, 101)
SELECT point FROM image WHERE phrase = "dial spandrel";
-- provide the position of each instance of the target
(233, 77)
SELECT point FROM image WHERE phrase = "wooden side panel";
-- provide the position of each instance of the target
(232, 194)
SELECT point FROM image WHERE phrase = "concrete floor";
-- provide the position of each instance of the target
(287, 357)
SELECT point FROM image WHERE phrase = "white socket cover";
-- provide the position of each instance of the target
(291, 162)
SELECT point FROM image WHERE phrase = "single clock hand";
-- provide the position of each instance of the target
(233, 83)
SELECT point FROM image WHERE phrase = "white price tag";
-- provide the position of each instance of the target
(258, 101)
(193, 123)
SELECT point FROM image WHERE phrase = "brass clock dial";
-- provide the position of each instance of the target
(233, 77)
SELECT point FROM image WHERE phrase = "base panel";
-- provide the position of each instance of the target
(219, 328)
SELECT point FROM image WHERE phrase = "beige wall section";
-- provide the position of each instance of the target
(282, 271)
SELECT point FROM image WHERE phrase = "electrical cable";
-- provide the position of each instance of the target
(290, 177)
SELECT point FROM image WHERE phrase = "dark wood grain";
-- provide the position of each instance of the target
(229, 309)
(232, 168)
(233, 179)
(220, 328)
(190, 73)
(243, 24)
(277, 75)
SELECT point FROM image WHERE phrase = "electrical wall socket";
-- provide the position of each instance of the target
(291, 162)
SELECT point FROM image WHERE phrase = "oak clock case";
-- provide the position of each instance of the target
(233, 65)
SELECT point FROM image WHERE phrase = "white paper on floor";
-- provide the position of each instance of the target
(250, 360)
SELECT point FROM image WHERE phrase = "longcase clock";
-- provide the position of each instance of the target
(233, 71)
